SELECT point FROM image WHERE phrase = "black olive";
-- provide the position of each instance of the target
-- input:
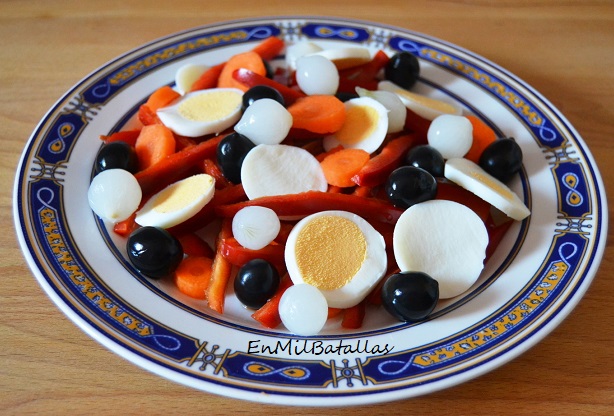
(427, 158)
(256, 282)
(116, 155)
(410, 296)
(258, 92)
(403, 69)
(502, 159)
(231, 151)
(154, 251)
(409, 185)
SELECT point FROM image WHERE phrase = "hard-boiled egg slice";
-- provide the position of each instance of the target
(365, 126)
(203, 112)
(346, 57)
(177, 202)
(397, 112)
(187, 75)
(337, 252)
(277, 169)
(443, 239)
(425, 107)
(472, 177)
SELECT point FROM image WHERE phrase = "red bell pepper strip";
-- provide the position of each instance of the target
(126, 136)
(310, 202)
(125, 227)
(354, 316)
(251, 79)
(378, 168)
(220, 272)
(452, 192)
(147, 116)
(418, 125)
(364, 75)
(268, 314)
(238, 255)
(208, 79)
(195, 246)
(211, 168)
(496, 232)
(173, 167)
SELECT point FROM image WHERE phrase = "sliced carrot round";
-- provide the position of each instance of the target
(321, 114)
(192, 276)
(339, 167)
(247, 60)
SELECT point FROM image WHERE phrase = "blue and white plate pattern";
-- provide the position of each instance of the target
(535, 278)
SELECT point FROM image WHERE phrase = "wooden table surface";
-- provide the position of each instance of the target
(565, 49)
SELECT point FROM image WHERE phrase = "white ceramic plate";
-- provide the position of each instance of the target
(535, 278)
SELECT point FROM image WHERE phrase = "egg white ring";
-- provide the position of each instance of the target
(170, 117)
(371, 143)
(371, 271)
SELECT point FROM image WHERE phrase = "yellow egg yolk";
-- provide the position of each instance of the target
(488, 181)
(182, 193)
(329, 251)
(211, 106)
(360, 122)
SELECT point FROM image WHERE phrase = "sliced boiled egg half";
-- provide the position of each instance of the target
(187, 75)
(443, 239)
(425, 107)
(472, 177)
(365, 126)
(203, 112)
(177, 202)
(397, 112)
(337, 252)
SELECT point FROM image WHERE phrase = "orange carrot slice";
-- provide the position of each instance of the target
(341, 166)
(321, 114)
(155, 142)
(192, 276)
(161, 97)
(246, 60)
(269, 48)
(483, 135)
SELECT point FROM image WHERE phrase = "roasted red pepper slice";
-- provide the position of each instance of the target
(452, 192)
(176, 165)
(307, 203)
(238, 255)
(251, 79)
(354, 316)
(268, 314)
(126, 136)
(377, 170)
(364, 75)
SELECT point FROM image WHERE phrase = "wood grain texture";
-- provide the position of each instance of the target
(564, 49)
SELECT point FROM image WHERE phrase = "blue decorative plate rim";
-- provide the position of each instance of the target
(548, 296)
